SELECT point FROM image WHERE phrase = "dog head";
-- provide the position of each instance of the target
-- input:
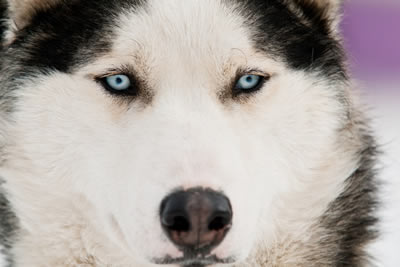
(196, 131)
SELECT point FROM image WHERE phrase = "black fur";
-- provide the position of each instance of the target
(282, 32)
(69, 33)
(8, 226)
(3, 14)
(63, 37)
(59, 38)
(8, 221)
(319, 15)
(350, 221)
(301, 33)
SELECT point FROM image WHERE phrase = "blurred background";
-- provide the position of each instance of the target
(371, 31)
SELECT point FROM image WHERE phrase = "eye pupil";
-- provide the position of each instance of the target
(118, 80)
(249, 79)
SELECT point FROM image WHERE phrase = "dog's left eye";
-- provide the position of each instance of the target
(249, 83)
(119, 84)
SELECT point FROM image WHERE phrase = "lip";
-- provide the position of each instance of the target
(193, 261)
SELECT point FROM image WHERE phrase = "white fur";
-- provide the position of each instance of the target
(88, 174)
(3, 260)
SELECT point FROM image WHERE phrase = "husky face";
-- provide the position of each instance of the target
(112, 158)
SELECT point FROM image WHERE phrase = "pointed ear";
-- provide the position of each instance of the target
(327, 12)
(22, 11)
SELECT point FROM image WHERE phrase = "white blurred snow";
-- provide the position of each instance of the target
(386, 121)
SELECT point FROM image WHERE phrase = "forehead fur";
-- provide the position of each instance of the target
(22, 11)
(3, 24)
(324, 12)
(87, 29)
(329, 5)
(196, 33)
(67, 34)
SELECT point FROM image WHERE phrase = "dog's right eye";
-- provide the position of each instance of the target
(119, 84)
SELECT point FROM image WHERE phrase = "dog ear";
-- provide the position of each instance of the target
(325, 12)
(22, 11)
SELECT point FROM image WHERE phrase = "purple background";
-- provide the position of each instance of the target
(372, 36)
(371, 31)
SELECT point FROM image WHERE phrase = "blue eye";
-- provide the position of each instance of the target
(118, 82)
(249, 83)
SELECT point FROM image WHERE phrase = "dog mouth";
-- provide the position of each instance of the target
(193, 261)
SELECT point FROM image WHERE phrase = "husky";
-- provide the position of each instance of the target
(139, 133)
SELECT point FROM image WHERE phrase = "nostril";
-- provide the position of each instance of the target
(219, 222)
(179, 223)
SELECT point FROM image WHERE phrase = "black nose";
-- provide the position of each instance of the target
(196, 219)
